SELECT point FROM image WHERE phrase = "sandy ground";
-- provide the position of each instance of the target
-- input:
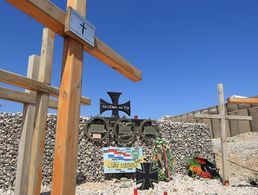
(242, 155)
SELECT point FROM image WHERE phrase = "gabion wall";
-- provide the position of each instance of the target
(186, 140)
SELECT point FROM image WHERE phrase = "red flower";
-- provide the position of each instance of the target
(205, 175)
(200, 160)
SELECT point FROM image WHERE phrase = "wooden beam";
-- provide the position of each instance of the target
(16, 96)
(242, 100)
(29, 118)
(66, 145)
(39, 133)
(53, 17)
(23, 97)
(32, 84)
(228, 117)
(27, 83)
(224, 146)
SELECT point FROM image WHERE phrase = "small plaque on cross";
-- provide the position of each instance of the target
(79, 26)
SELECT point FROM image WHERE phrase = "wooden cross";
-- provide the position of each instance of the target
(223, 117)
(65, 157)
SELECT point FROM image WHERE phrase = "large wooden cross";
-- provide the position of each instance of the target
(223, 117)
(65, 157)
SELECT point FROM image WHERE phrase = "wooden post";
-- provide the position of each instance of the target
(42, 98)
(65, 157)
(22, 173)
(224, 147)
(223, 117)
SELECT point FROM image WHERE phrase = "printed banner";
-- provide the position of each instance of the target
(122, 160)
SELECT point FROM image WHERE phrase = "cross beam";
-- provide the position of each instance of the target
(23, 97)
(242, 100)
(31, 84)
(66, 144)
(53, 17)
(223, 117)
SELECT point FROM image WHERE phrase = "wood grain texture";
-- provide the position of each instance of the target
(29, 118)
(242, 100)
(39, 133)
(27, 83)
(66, 145)
(16, 96)
(32, 84)
(224, 146)
(223, 117)
(53, 17)
(65, 156)
(219, 116)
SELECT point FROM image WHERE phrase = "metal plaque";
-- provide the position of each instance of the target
(97, 128)
(115, 107)
(125, 130)
(82, 27)
(150, 130)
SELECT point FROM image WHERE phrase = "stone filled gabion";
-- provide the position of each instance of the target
(185, 139)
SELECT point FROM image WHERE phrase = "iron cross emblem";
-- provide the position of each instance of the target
(146, 176)
(115, 106)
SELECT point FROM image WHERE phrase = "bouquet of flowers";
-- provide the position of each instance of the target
(200, 167)
(162, 158)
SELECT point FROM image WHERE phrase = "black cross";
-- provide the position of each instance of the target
(83, 27)
(146, 176)
(115, 107)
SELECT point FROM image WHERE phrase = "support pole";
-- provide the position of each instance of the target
(28, 119)
(66, 144)
(224, 147)
(42, 98)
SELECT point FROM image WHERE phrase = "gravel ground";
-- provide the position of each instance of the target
(243, 154)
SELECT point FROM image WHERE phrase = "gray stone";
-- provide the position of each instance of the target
(186, 140)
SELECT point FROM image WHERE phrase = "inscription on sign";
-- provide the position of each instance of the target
(122, 160)
(81, 27)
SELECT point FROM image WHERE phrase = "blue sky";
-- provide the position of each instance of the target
(183, 48)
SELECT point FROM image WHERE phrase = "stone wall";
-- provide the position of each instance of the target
(186, 140)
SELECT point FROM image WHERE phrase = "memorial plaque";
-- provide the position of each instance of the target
(97, 128)
(81, 27)
(124, 130)
(150, 130)
(122, 160)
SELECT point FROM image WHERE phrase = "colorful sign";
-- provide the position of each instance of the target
(122, 160)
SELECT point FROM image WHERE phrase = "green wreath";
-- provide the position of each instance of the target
(162, 158)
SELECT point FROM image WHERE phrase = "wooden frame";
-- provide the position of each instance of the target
(31, 84)
(65, 157)
(53, 17)
(23, 97)
(223, 117)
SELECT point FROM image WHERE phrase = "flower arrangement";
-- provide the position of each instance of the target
(202, 168)
(162, 158)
